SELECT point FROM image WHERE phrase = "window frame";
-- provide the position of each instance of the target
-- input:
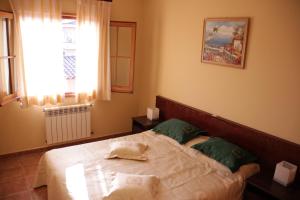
(12, 96)
(117, 88)
(130, 87)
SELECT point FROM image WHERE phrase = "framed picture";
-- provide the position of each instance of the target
(224, 41)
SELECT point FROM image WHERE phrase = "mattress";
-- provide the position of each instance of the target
(81, 172)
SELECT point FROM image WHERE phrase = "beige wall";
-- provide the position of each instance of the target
(24, 128)
(264, 96)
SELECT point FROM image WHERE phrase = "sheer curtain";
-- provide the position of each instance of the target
(38, 46)
(93, 59)
(39, 51)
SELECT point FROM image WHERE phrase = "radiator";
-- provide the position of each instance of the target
(67, 123)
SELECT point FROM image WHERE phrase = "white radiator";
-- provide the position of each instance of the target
(67, 123)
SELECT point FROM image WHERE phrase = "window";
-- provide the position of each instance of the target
(69, 52)
(6, 58)
(122, 41)
(122, 52)
(44, 35)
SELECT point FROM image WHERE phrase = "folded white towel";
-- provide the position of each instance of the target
(133, 187)
(127, 150)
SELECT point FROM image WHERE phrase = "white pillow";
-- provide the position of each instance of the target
(133, 187)
(127, 150)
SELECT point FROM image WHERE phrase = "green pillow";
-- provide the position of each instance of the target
(179, 130)
(225, 152)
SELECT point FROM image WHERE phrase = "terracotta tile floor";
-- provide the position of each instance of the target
(16, 177)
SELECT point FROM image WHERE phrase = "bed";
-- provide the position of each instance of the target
(81, 172)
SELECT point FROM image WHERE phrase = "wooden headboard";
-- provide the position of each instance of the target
(269, 149)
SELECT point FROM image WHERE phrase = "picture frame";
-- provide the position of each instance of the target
(224, 41)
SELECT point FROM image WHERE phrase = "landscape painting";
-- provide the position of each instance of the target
(225, 41)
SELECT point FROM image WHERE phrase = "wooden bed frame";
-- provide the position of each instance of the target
(269, 149)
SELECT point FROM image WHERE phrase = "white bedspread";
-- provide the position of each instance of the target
(81, 172)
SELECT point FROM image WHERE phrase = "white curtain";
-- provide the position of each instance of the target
(39, 51)
(39, 56)
(93, 58)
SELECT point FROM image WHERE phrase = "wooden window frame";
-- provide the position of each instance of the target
(116, 88)
(10, 97)
(129, 88)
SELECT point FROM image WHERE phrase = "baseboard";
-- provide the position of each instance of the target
(65, 144)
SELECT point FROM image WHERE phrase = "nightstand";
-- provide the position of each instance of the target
(140, 124)
(262, 186)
